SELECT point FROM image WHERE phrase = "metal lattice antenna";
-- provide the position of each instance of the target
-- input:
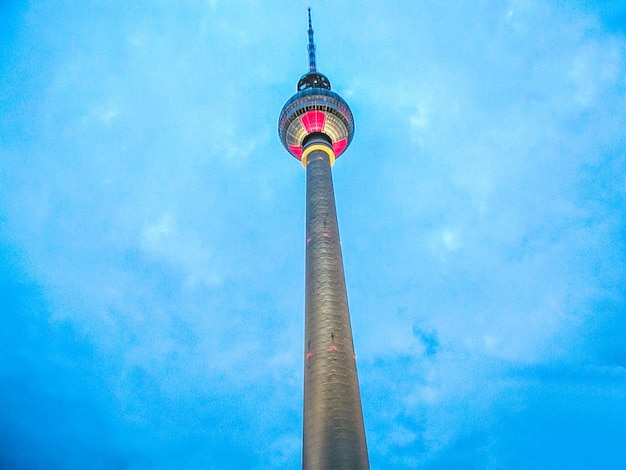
(311, 47)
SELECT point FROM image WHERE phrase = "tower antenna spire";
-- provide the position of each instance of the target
(311, 46)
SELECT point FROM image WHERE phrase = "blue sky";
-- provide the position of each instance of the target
(152, 231)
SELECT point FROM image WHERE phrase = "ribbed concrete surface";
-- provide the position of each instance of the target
(334, 436)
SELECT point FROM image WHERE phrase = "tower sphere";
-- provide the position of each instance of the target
(315, 111)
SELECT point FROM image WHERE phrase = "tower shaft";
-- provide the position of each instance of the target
(334, 434)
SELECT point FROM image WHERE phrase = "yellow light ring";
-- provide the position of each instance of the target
(324, 148)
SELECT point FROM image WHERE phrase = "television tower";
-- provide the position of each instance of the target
(316, 127)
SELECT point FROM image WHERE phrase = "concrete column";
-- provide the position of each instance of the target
(334, 435)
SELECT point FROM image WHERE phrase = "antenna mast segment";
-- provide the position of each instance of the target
(311, 47)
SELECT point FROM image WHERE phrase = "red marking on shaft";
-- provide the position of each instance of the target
(308, 240)
(325, 234)
(332, 348)
(308, 355)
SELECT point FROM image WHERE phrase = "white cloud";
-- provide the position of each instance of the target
(165, 240)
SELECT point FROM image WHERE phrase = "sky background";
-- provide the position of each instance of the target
(152, 231)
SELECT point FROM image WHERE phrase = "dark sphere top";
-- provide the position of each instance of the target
(313, 80)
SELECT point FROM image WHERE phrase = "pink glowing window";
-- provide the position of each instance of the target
(340, 146)
(313, 121)
(297, 151)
